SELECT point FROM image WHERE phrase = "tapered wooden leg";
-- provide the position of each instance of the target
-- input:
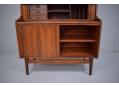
(26, 66)
(90, 66)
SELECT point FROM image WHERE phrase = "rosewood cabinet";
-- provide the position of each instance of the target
(58, 34)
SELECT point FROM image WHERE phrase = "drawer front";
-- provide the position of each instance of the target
(41, 16)
(38, 7)
(38, 11)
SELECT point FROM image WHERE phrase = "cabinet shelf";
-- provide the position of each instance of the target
(52, 11)
(78, 33)
(76, 52)
(73, 49)
(58, 15)
(76, 11)
(76, 39)
(58, 7)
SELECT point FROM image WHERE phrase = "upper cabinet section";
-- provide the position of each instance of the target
(58, 11)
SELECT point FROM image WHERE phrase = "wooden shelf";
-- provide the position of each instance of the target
(51, 11)
(58, 7)
(76, 51)
(58, 15)
(76, 39)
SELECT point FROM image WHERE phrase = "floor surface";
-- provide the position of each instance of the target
(105, 69)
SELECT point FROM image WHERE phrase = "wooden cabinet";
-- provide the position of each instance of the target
(58, 34)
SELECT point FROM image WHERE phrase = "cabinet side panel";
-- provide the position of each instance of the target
(92, 11)
(25, 12)
(96, 45)
(19, 39)
(98, 40)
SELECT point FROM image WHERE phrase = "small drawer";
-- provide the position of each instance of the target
(38, 7)
(37, 14)
(41, 16)
(38, 11)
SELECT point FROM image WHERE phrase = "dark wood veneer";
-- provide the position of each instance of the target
(58, 34)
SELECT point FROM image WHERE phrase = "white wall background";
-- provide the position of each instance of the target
(110, 28)
(106, 69)
(8, 15)
(109, 36)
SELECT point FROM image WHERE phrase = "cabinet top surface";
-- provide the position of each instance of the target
(63, 21)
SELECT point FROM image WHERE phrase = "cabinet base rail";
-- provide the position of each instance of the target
(59, 61)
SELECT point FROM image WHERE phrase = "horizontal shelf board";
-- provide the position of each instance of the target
(60, 58)
(66, 46)
(76, 39)
(58, 10)
(58, 61)
(62, 21)
(86, 52)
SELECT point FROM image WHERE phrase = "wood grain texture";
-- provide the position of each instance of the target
(92, 11)
(39, 41)
(59, 61)
(58, 34)
(20, 39)
(25, 12)
(42, 40)
(66, 21)
(49, 40)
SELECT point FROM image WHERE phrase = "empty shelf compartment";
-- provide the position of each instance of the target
(78, 49)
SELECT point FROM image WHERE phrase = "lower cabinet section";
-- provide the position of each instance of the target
(57, 43)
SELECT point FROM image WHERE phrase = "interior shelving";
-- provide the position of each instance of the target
(78, 40)
(62, 11)
(58, 15)
(58, 7)
(78, 49)
(76, 33)
(58, 11)
(73, 11)
(79, 11)
(53, 11)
